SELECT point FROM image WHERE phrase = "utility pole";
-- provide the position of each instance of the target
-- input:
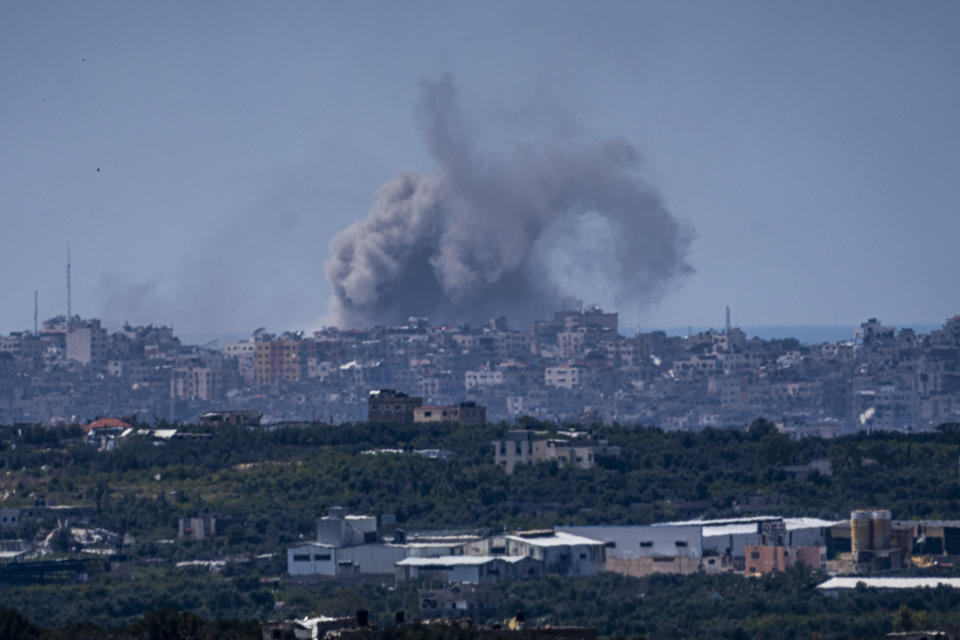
(69, 292)
(36, 293)
(728, 320)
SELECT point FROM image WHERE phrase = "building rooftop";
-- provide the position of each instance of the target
(730, 529)
(446, 561)
(889, 583)
(554, 539)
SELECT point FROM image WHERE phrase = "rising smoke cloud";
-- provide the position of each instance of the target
(482, 237)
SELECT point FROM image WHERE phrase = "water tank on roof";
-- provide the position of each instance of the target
(860, 540)
(881, 527)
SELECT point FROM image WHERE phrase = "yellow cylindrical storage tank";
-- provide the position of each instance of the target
(860, 531)
(881, 529)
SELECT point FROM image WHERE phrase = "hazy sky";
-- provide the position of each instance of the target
(199, 156)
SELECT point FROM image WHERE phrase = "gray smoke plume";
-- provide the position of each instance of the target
(487, 237)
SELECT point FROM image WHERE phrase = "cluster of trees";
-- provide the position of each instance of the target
(109, 602)
(779, 606)
(267, 487)
(161, 624)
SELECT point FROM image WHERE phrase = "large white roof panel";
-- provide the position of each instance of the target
(888, 583)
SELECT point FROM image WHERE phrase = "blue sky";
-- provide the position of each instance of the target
(200, 156)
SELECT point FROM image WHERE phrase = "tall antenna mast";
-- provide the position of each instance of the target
(728, 319)
(69, 300)
(36, 293)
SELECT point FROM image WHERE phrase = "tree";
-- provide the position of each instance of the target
(14, 626)
(903, 620)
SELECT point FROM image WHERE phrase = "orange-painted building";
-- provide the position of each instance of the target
(764, 559)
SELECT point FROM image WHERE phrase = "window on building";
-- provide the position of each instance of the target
(611, 544)
(681, 543)
(301, 558)
(754, 555)
(646, 544)
(322, 556)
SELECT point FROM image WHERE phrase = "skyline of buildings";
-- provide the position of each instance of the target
(573, 367)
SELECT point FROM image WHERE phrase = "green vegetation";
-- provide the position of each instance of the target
(267, 487)
(662, 606)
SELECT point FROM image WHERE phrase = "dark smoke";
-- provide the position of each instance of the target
(482, 237)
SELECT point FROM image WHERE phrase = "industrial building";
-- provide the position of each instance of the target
(562, 553)
(642, 550)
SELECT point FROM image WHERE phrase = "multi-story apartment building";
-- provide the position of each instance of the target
(87, 343)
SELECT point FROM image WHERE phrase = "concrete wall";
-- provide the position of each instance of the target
(371, 558)
(639, 567)
(312, 559)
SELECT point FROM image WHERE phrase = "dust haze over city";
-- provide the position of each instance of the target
(417, 319)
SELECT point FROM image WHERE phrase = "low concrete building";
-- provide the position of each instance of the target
(350, 545)
(763, 559)
(523, 447)
(312, 559)
(467, 413)
(458, 600)
(473, 569)
(318, 559)
(470, 569)
(562, 553)
(729, 538)
(197, 528)
(642, 550)
(388, 405)
(338, 529)
(9, 518)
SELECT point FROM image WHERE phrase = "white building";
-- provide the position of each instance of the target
(642, 550)
(312, 559)
(349, 545)
(729, 537)
(570, 376)
(471, 569)
(562, 553)
(482, 379)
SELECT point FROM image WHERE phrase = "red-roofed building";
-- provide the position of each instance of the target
(103, 432)
(106, 423)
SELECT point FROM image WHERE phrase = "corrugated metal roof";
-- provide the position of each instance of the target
(730, 530)
(888, 583)
(558, 539)
(445, 561)
(792, 524)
